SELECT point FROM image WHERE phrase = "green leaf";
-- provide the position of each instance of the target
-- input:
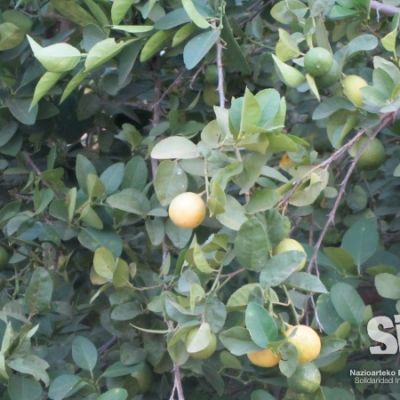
(39, 292)
(172, 19)
(93, 238)
(104, 263)
(133, 28)
(72, 11)
(131, 201)
(200, 340)
(347, 303)
(260, 324)
(114, 394)
(252, 246)
(73, 84)
(388, 286)
(7, 131)
(250, 114)
(361, 240)
(342, 259)
(198, 47)
(155, 44)
(307, 282)
(238, 341)
(170, 180)
(126, 311)
(83, 169)
(290, 75)
(330, 106)
(194, 15)
(262, 200)
(103, 52)
(60, 57)
(240, 297)
(286, 48)
(119, 9)
(21, 109)
(260, 394)
(22, 387)
(234, 214)
(45, 84)
(278, 268)
(329, 318)
(175, 147)
(84, 353)
(112, 177)
(64, 386)
(30, 364)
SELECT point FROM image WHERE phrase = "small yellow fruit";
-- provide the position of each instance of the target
(264, 358)
(306, 341)
(291, 245)
(208, 351)
(187, 210)
(352, 86)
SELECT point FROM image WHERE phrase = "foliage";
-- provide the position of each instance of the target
(110, 109)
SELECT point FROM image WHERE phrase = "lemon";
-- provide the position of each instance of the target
(211, 74)
(264, 358)
(306, 341)
(291, 245)
(318, 61)
(330, 78)
(306, 379)
(187, 210)
(205, 353)
(352, 86)
(373, 155)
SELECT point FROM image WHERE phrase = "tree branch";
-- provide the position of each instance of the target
(385, 121)
(220, 67)
(384, 8)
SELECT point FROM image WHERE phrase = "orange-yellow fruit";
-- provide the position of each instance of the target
(187, 210)
(352, 86)
(291, 245)
(264, 358)
(306, 341)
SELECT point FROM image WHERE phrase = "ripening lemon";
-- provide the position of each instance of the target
(264, 358)
(4, 257)
(318, 61)
(373, 155)
(306, 341)
(187, 210)
(291, 245)
(352, 86)
(208, 351)
(306, 379)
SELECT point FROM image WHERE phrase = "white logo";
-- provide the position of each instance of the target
(376, 331)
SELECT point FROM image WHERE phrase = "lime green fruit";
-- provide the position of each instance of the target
(330, 78)
(210, 95)
(337, 364)
(143, 376)
(207, 352)
(372, 157)
(318, 61)
(352, 86)
(291, 245)
(211, 74)
(306, 379)
(4, 257)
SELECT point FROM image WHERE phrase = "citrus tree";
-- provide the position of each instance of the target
(199, 199)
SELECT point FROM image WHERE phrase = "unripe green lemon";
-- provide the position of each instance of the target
(210, 95)
(372, 157)
(318, 61)
(330, 78)
(208, 351)
(291, 245)
(306, 379)
(352, 86)
(4, 257)
(211, 74)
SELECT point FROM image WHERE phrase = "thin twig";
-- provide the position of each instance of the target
(170, 87)
(384, 8)
(35, 168)
(385, 121)
(221, 78)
